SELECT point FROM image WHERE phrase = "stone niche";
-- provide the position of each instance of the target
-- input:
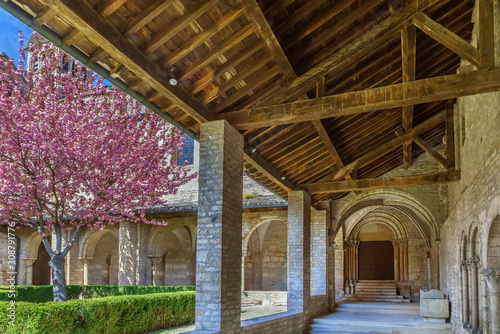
(434, 306)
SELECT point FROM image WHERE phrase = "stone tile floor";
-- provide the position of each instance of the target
(247, 312)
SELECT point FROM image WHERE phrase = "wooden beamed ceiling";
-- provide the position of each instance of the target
(328, 94)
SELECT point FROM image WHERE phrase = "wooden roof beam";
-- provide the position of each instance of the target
(108, 7)
(102, 33)
(430, 150)
(447, 37)
(228, 65)
(217, 51)
(145, 16)
(347, 55)
(381, 183)
(380, 98)
(179, 24)
(486, 33)
(391, 145)
(409, 64)
(203, 36)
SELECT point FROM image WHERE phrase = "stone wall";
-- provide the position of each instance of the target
(475, 200)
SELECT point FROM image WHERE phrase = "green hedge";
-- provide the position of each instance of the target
(43, 293)
(118, 314)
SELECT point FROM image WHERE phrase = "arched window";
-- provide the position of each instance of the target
(186, 155)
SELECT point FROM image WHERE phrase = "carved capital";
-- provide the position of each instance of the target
(464, 264)
(475, 261)
(395, 242)
(492, 278)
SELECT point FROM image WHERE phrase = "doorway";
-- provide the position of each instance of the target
(376, 260)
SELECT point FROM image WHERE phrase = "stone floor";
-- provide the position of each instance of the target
(373, 317)
(247, 312)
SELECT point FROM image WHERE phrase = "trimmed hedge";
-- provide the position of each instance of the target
(118, 314)
(43, 293)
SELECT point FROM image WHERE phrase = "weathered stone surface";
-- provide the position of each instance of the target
(218, 261)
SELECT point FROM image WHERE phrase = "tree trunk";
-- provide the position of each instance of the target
(58, 284)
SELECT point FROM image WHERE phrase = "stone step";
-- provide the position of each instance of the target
(336, 329)
(375, 281)
(368, 287)
(376, 307)
(374, 299)
(376, 284)
(376, 293)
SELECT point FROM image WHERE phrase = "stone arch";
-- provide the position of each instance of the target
(172, 250)
(90, 239)
(248, 235)
(99, 253)
(405, 203)
(35, 261)
(493, 246)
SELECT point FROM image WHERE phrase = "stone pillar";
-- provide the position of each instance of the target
(395, 244)
(465, 294)
(331, 276)
(85, 271)
(356, 264)
(405, 261)
(318, 251)
(401, 260)
(475, 292)
(492, 278)
(299, 257)
(243, 272)
(155, 262)
(218, 244)
(127, 256)
(28, 265)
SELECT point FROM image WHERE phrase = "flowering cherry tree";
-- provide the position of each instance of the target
(75, 154)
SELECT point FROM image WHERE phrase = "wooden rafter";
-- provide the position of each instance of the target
(446, 37)
(381, 183)
(362, 46)
(147, 15)
(409, 64)
(486, 33)
(109, 6)
(178, 25)
(394, 96)
(431, 151)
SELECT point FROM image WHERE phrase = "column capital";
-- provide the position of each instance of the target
(464, 264)
(403, 242)
(28, 261)
(475, 261)
(492, 278)
(395, 242)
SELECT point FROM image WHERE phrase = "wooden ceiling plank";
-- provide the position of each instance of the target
(431, 151)
(447, 37)
(203, 36)
(346, 56)
(486, 33)
(255, 14)
(393, 96)
(269, 74)
(145, 16)
(108, 7)
(278, 7)
(297, 16)
(318, 22)
(381, 183)
(102, 33)
(240, 76)
(409, 64)
(179, 24)
(390, 145)
(233, 62)
(218, 51)
(287, 129)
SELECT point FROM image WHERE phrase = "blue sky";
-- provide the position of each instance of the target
(9, 30)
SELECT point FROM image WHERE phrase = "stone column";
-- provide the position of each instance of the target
(475, 292)
(465, 294)
(401, 260)
(218, 244)
(127, 253)
(299, 257)
(28, 264)
(85, 271)
(331, 276)
(356, 261)
(493, 283)
(318, 252)
(155, 262)
(405, 261)
(395, 244)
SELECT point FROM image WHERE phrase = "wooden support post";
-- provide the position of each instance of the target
(486, 34)
(450, 140)
(409, 62)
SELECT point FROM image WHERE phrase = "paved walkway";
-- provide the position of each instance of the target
(247, 312)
